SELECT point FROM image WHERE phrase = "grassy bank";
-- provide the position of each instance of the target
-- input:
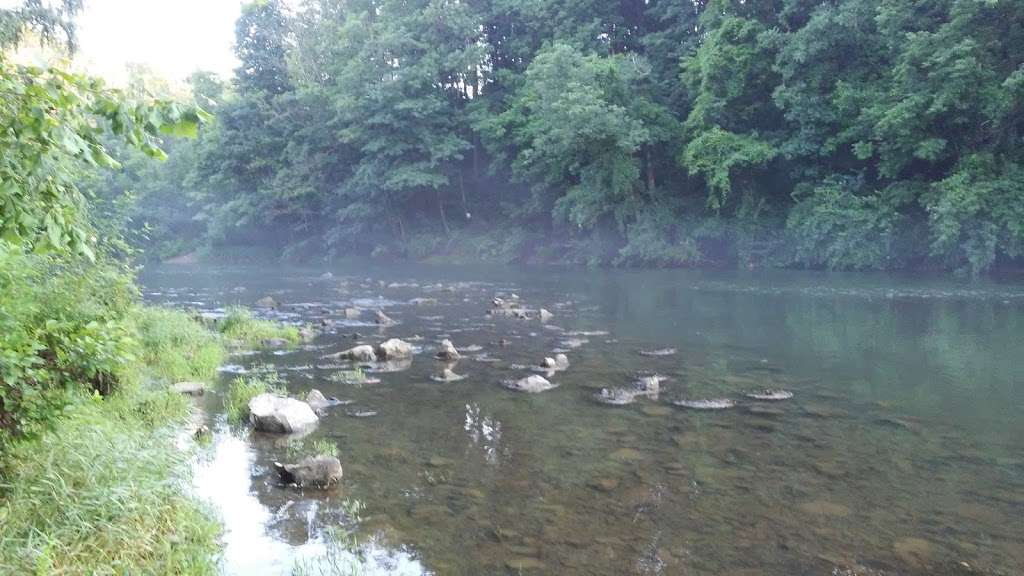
(92, 480)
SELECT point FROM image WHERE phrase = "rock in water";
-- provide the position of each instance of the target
(351, 313)
(189, 388)
(545, 315)
(383, 319)
(770, 395)
(447, 375)
(266, 302)
(447, 351)
(394, 349)
(561, 362)
(271, 413)
(616, 396)
(658, 352)
(275, 342)
(327, 276)
(548, 363)
(311, 471)
(532, 384)
(706, 404)
(318, 402)
(362, 353)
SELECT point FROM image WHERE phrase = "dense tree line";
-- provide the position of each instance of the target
(842, 133)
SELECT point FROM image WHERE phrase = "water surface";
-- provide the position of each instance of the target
(902, 451)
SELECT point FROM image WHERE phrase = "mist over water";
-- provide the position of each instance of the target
(901, 452)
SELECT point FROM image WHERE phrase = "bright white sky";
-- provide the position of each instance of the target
(173, 37)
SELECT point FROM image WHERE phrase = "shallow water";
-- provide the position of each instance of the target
(901, 452)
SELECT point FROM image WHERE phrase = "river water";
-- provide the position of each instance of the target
(901, 451)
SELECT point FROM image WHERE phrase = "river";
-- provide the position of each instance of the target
(901, 451)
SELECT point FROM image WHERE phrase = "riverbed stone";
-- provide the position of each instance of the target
(361, 353)
(277, 414)
(382, 319)
(311, 471)
(352, 313)
(531, 384)
(446, 351)
(545, 315)
(914, 552)
(394, 349)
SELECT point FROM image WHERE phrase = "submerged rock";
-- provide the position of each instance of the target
(311, 471)
(447, 375)
(189, 388)
(770, 395)
(706, 404)
(361, 353)
(616, 396)
(658, 352)
(394, 349)
(531, 384)
(382, 319)
(545, 315)
(447, 351)
(271, 413)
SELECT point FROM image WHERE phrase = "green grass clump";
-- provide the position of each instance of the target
(242, 326)
(102, 493)
(175, 346)
(243, 389)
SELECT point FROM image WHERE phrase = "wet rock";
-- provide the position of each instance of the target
(266, 302)
(706, 404)
(770, 395)
(361, 413)
(311, 472)
(658, 352)
(275, 342)
(616, 396)
(189, 388)
(362, 353)
(382, 319)
(545, 315)
(394, 349)
(572, 343)
(651, 385)
(306, 333)
(351, 313)
(423, 301)
(327, 276)
(531, 384)
(447, 351)
(447, 375)
(320, 403)
(271, 413)
(824, 508)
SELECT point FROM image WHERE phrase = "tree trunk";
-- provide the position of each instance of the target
(444, 218)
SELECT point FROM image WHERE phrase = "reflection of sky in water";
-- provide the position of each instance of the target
(222, 478)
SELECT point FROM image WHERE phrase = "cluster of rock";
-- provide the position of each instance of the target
(513, 308)
(645, 386)
(391, 349)
(767, 395)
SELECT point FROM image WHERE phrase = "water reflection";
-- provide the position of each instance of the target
(901, 452)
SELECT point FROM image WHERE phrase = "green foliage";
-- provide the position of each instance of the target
(840, 134)
(101, 493)
(240, 325)
(175, 347)
(243, 389)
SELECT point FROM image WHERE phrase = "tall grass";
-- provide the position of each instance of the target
(176, 347)
(243, 389)
(104, 492)
(241, 325)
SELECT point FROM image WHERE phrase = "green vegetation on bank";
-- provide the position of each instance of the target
(242, 390)
(241, 326)
(854, 134)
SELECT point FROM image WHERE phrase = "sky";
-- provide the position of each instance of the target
(173, 37)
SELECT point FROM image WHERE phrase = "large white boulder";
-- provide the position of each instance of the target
(271, 413)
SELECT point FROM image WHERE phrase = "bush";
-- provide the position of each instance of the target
(241, 325)
(64, 329)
